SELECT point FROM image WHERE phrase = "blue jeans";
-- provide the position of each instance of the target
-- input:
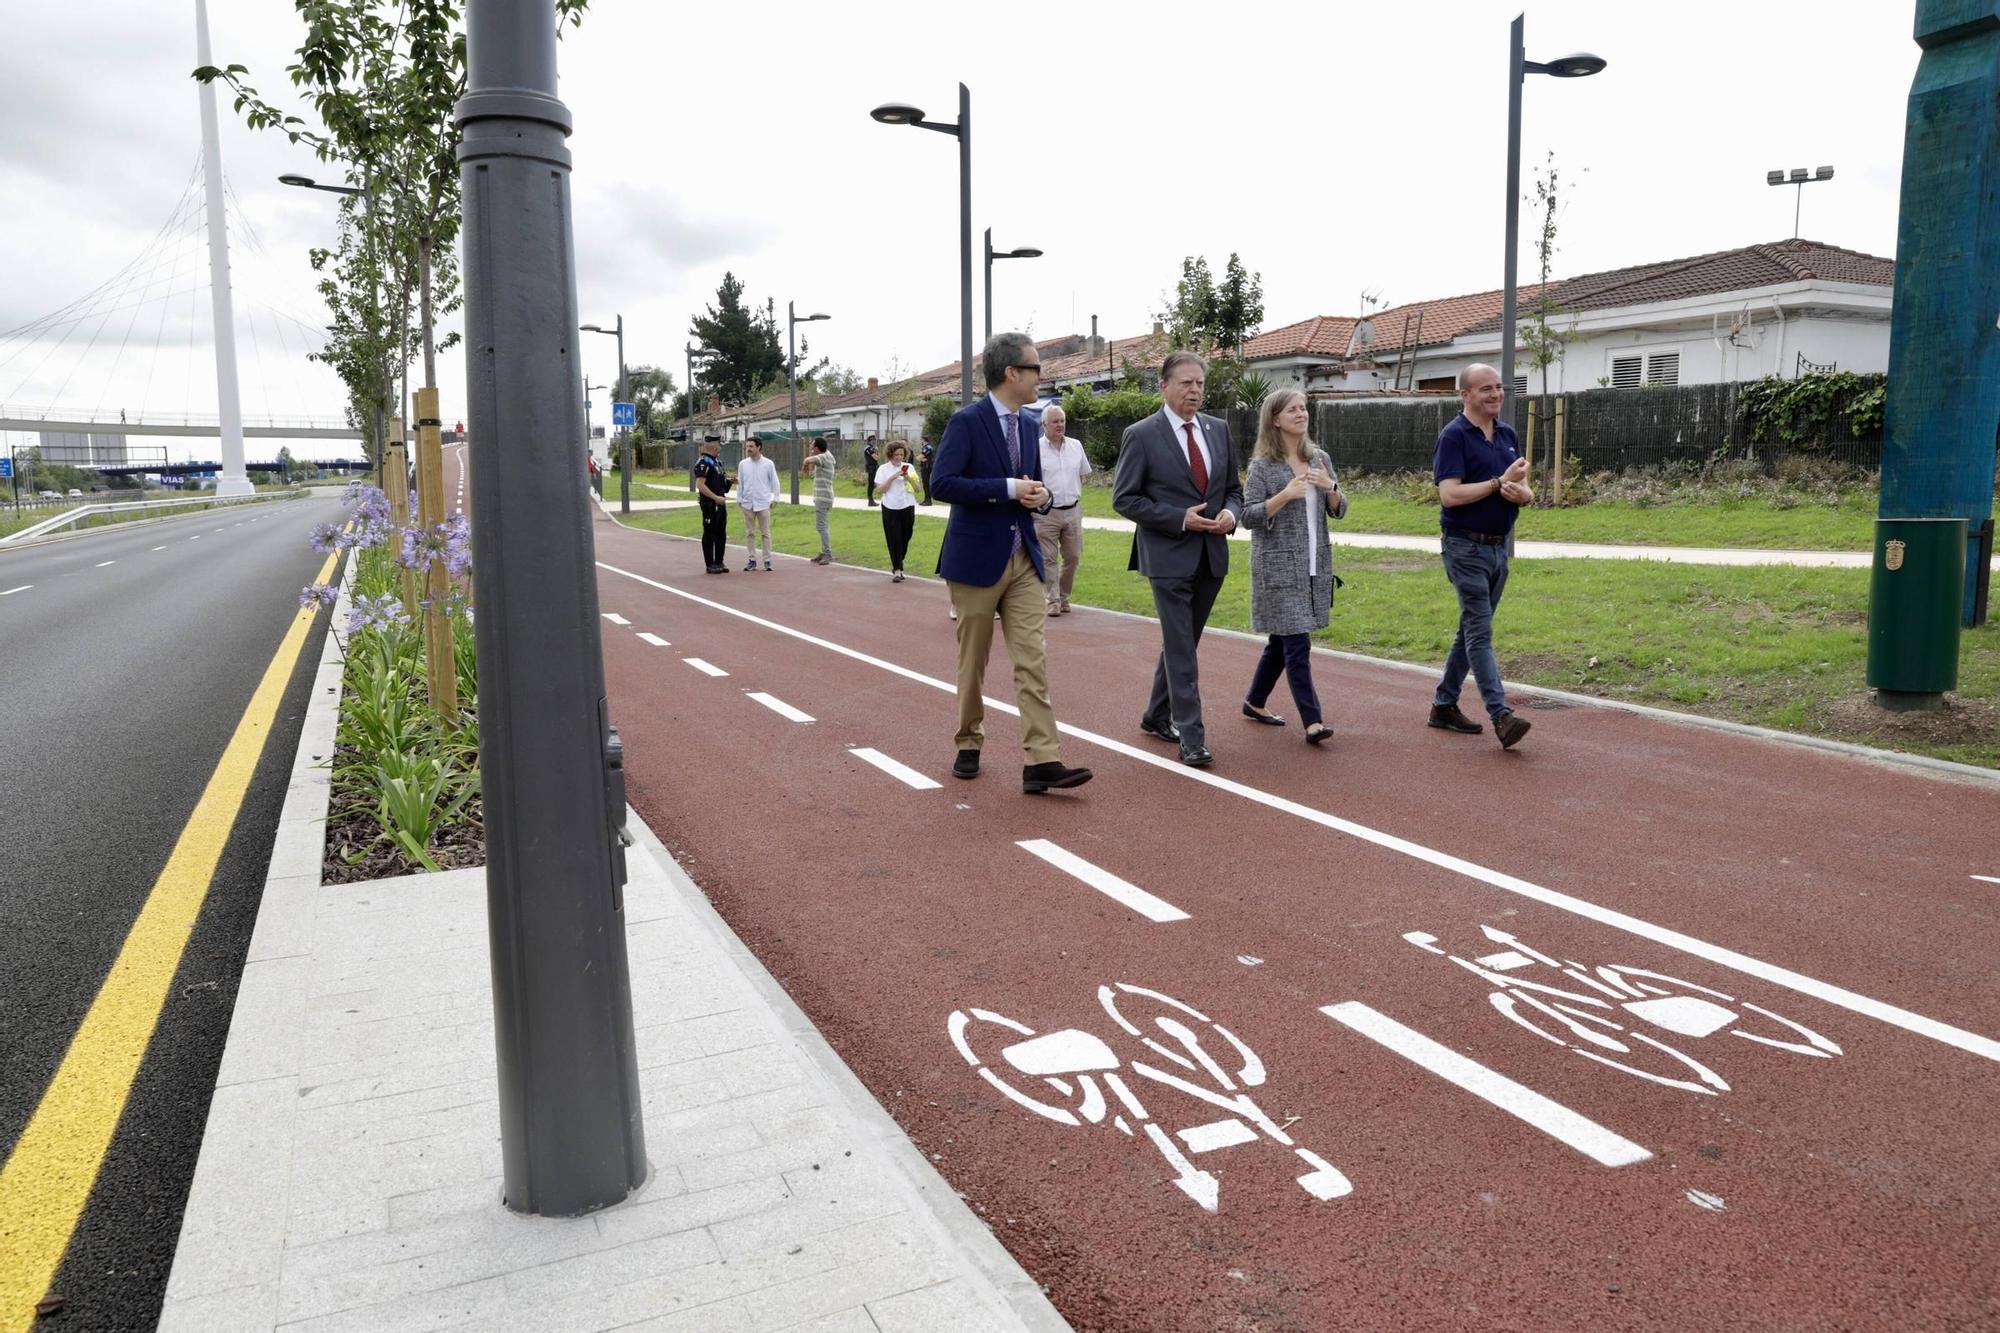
(1478, 573)
(1292, 655)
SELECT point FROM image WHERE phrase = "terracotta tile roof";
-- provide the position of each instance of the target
(1715, 274)
(1144, 352)
(1441, 320)
(1322, 335)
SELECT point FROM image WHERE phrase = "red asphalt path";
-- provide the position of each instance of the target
(1803, 928)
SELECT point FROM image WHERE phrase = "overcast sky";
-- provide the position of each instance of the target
(1336, 147)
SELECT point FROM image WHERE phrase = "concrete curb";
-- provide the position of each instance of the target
(1943, 768)
(932, 1197)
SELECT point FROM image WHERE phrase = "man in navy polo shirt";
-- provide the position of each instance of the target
(1482, 483)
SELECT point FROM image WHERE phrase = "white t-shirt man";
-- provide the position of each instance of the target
(1064, 466)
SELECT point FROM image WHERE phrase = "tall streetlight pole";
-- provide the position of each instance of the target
(1025, 252)
(792, 321)
(572, 1135)
(374, 302)
(1577, 66)
(1800, 178)
(624, 438)
(902, 113)
(688, 348)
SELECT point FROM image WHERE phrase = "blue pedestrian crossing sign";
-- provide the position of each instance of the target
(6, 467)
(624, 414)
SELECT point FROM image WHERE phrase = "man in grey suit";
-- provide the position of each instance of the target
(1176, 480)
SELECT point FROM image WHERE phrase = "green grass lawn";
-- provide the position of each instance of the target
(1774, 646)
(1790, 523)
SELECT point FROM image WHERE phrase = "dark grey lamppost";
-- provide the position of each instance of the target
(374, 302)
(1580, 65)
(1025, 252)
(792, 321)
(572, 1138)
(902, 113)
(624, 437)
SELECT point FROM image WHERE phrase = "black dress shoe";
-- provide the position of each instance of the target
(966, 765)
(1052, 776)
(1319, 733)
(1450, 719)
(1164, 731)
(1268, 719)
(1196, 756)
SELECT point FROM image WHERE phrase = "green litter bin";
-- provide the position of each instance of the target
(1913, 609)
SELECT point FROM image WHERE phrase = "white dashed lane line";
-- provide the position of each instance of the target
(102, 563)
(159, 548)
(1131, 895)
(195, 538)
(615, 618)
(779, 706)
(655, 640)
(903, 773)
(11, 591)
(706, 668)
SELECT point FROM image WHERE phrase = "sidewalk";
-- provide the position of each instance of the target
(1679, 555)
(349, 1176)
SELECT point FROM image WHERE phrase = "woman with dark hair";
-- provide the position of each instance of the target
(899, 507)
(1288, 492)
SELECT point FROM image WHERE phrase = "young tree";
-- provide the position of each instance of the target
(739, 348)
(1190, 314)
(383, 80)
(1544, 343)
(1239, 305)
(652, 391)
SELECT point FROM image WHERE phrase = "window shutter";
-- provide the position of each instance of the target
(1520, 386)
(1663, 368)
(1625, 372)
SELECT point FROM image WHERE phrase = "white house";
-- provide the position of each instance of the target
(1777, 309)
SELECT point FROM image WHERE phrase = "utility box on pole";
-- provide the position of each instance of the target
(571, 1136)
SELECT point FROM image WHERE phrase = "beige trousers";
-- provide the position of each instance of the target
(1060, 530)
(757, 521)
(1019, 600)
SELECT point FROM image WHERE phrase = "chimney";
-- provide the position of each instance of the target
(714, 405)
(1158, 328)
(1096, 344)
(873, 384)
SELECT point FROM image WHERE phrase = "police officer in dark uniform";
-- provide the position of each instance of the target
(870, 460)
(711, 483)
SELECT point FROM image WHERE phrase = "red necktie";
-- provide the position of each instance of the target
(1196, 466)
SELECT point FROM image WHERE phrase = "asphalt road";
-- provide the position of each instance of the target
(1642, 1025)
(126, 659)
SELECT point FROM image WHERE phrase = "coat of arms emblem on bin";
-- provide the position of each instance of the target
(1892, 555)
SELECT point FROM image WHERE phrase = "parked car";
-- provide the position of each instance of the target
(75, 494)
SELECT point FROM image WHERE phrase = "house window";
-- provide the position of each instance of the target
(1633, 369)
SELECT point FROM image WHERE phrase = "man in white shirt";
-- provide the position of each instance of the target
(756, 489)
(1064, 466)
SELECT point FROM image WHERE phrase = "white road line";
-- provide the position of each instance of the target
(615, 618)
(195, 538)
(780, 707)
(706, 668)
(11, 591)
(1971, 1042)
(102, 563)
(159, 548)
(1987, 879)
(655, 640)
(1106, 883)
(1552, 1118)
(901, 772)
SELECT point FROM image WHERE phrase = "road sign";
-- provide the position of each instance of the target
(624, 414)
(6, 467)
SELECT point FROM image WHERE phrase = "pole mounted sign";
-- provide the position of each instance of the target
(6, 467)
(624, 414)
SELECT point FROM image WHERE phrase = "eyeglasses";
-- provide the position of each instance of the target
(1035, 366)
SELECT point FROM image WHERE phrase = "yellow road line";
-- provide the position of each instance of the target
(49, 1175)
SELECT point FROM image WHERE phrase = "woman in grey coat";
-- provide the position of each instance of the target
(1287, 494)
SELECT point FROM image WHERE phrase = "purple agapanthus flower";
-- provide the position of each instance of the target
(383, 612)
(325, 537)
(315, 595)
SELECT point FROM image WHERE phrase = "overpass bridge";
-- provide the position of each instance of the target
(34, 419)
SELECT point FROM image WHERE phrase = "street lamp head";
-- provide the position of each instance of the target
(1775, 177)
(595, 328)
(1025, 252)
(1580, 65)
(1823, 173)
(293, 178)
(897, 113)
(803, 319)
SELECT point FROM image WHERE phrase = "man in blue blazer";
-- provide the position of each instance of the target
(1176, 480)
(988, 469)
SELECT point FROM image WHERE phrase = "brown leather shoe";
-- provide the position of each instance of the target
(1451, 719)
(1510, 727)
